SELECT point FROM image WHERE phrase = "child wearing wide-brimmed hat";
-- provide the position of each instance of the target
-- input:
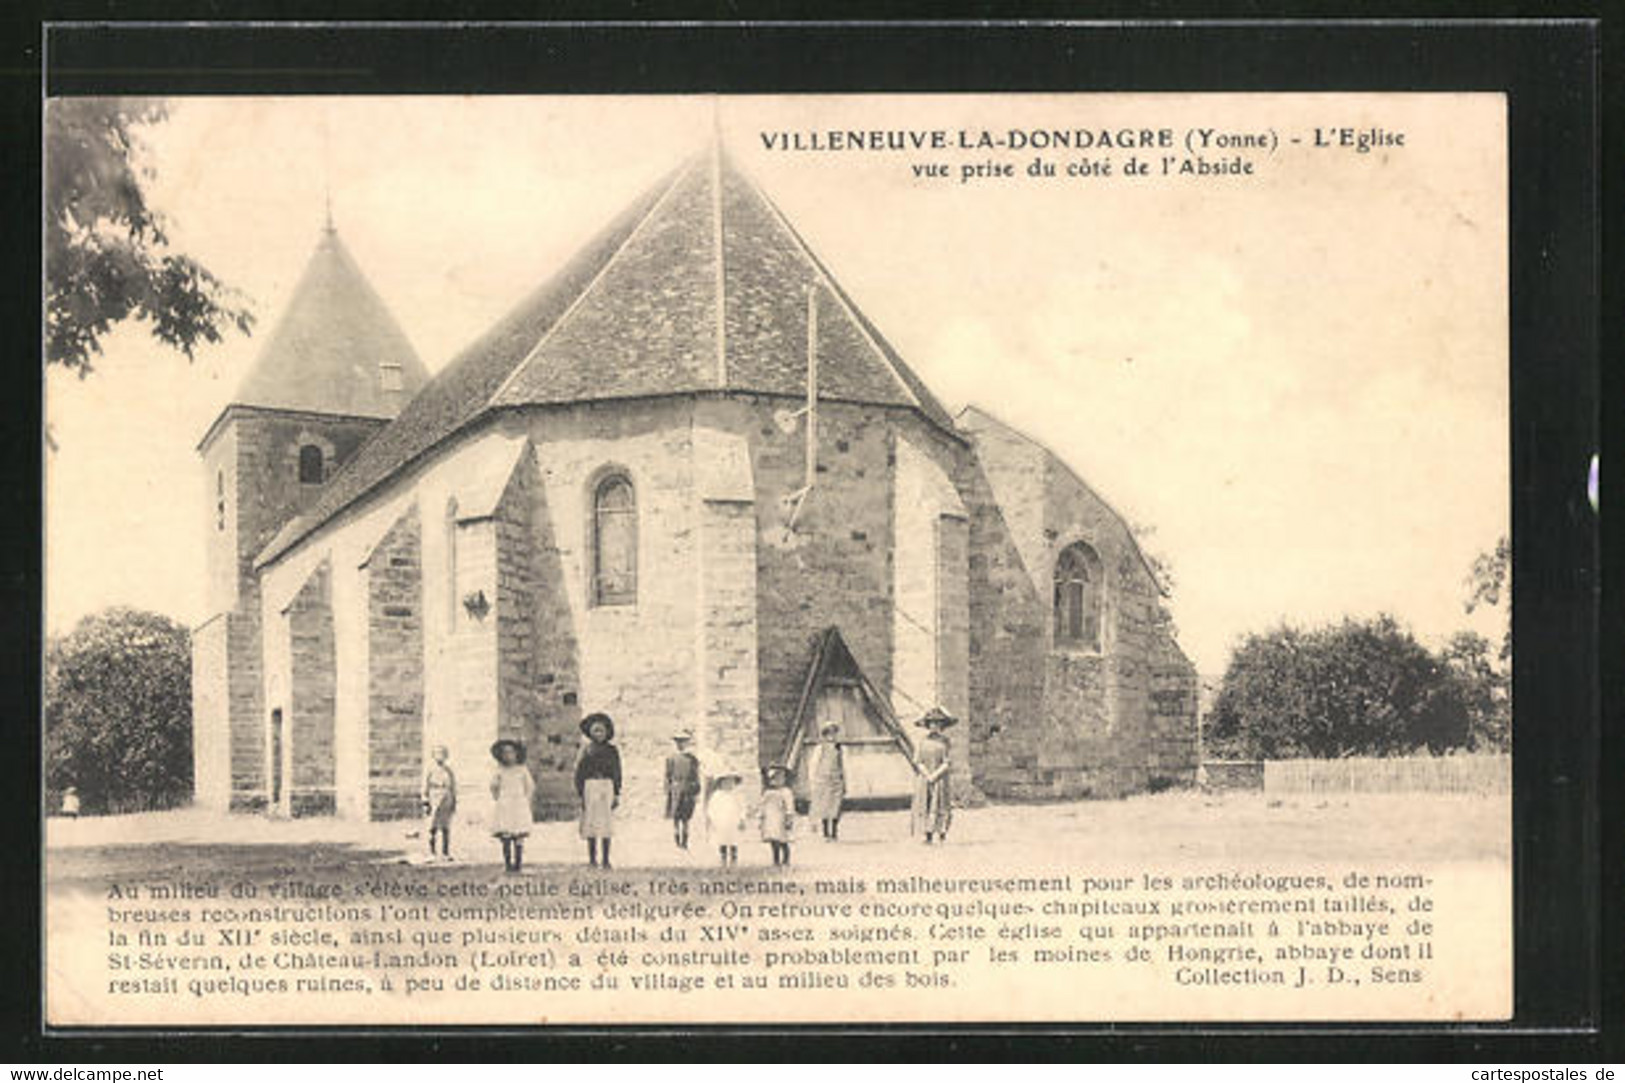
(598, 784)
(682, 786)
(511, 788)
(778, 812)
(933, 808)
(725, 815)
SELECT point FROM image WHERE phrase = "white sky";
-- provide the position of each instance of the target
(1299, 378)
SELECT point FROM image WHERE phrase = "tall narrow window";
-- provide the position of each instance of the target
(1077, 597)
(311, 470)
(614, 542)
(220, 500)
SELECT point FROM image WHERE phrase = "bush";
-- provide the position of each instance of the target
(118, 713)
(1359, 688)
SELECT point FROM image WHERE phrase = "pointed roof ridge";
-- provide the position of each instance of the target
(911, 384)
(676, 178)
(332, 342)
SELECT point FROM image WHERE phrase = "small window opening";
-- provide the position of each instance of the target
(312, 469)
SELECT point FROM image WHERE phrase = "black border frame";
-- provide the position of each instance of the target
(1560, 151)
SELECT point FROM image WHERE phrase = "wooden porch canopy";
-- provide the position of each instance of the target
(833, 666)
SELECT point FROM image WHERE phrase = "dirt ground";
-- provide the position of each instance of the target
(1457, 846)
(1168, 830)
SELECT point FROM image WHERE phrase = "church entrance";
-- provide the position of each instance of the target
(878, 772)
(876, 753)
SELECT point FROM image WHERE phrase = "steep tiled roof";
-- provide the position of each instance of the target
(328, 352)
(699, 286)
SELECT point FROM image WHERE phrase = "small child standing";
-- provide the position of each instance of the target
(778, 813)
(511, 788)
(725, 815)
(682, 787)
(440, 800)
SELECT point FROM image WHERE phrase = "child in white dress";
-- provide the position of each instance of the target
(511, 788)
(725, 816)
(778, 813)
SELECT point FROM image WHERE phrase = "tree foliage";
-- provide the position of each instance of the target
(118, 712)
(1357, 688)
(106, 250)
(1484, 689)
(1489, 582)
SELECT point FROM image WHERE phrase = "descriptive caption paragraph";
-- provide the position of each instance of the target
(655, 935)
(968, 156)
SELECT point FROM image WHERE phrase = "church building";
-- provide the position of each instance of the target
(685, 482)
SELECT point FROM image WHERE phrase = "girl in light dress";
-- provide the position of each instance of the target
(826, 780)
(725, 816)
(933, 808)
(778, 813)
(511, 788)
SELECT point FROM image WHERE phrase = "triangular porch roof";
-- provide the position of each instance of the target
(832, 660)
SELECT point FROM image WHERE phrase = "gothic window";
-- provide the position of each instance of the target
(1078, 584)
(311, 467)
(614, 542)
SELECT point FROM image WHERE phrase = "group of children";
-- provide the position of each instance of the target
(598, 787)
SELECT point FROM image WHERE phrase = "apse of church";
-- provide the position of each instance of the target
(685, 483)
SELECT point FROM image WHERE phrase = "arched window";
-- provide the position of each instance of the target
(614, 542)
(311, 471)
(1078, 584)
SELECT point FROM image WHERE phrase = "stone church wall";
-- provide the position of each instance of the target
(538, 663)
(1057, 720)
(251, 479)
(309, 748)
(395, 754)
(930, 618)
(636, 662)
(836, 567)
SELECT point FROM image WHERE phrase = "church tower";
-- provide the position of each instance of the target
(335, 369)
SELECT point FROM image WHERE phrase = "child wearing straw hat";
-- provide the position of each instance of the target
(933, 808)
(511, 788)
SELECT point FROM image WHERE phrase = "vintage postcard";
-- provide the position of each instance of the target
(857, 559)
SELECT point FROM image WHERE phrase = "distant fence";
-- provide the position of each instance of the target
(1487, 774)
(1233, 774)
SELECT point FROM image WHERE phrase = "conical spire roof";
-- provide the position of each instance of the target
(336, 349)
(699, 286)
